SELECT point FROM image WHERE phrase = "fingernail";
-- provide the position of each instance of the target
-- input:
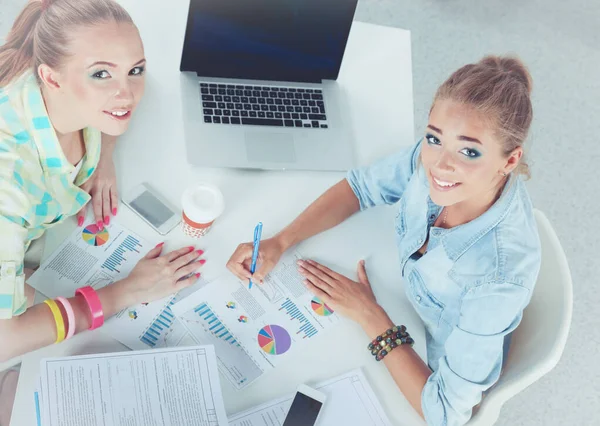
(202, 261)
(191, 248)
(80, 221)
(299, 262)
(107, 220)
(198, 275)
(200, 252)
(114, 212)
(100, 225)
(159, 244)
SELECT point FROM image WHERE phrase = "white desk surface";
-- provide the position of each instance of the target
(377, 75)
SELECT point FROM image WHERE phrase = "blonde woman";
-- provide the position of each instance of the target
(71, 77)
(466, 236)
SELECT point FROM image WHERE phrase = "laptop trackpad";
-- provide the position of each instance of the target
(270, 147)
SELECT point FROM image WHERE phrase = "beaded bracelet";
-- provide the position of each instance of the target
(388, 341)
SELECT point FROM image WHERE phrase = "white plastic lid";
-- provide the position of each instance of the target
(202, 203)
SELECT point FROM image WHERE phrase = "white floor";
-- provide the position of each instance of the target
(560, 42)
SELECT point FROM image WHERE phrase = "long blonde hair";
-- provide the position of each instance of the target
(41, 33)
(499, 89)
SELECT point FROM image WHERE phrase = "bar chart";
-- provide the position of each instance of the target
(118, 257)
(160, 327)
(213, 324)
(306, 326)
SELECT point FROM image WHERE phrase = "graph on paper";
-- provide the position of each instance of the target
(164, 330)
(307, 329)
(234, 360)
(214, 325)
(119, 256)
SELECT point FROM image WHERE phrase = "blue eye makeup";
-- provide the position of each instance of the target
(101, 75)
(467, 152)
(137, 71)
(432, 140)
(471, 153)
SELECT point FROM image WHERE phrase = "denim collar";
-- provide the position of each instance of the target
(459, 239)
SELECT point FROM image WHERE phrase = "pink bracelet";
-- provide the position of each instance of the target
(94, 304)
(70, 316)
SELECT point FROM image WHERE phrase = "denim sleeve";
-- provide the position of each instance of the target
(473, 352)
(384, 181)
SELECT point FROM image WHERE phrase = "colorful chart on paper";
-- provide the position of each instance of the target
(274, 340)
(94, 236)
(320, 307)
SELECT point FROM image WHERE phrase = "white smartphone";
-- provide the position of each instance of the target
(156, 211)
(305, 408)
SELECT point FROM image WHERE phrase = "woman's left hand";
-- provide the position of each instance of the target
(102, 186)
(352, 299)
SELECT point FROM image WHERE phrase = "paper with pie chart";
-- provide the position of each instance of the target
(99, 257)
(92, 256)
(255, 329)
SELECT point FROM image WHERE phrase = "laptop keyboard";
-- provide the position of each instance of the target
(263, 106)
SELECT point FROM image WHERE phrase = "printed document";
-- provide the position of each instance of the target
(94, 257)
(253, 329)
(160, 387)
(350, 401)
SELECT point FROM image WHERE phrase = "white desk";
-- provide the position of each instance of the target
(377, 76)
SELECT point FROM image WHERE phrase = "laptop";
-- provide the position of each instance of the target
(259, 85)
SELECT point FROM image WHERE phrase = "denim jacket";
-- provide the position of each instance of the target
(469, 288)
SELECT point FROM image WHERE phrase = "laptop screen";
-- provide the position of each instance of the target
(282, 40)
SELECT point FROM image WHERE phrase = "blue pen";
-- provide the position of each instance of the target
(257, 234)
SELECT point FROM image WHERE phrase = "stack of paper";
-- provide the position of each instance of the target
(161, 387)
(350, 401)
(95, 257)
(255, 329)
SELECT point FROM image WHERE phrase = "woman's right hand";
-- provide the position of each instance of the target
(156, 276)
(269, 253)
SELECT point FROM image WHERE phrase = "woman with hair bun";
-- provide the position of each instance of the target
(466, 235)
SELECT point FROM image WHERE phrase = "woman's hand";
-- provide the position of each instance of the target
(352, 299)
(269, 253)
(102, 186)
(156, 276)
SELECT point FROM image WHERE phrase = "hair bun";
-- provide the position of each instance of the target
(516, 68)
(510, 65)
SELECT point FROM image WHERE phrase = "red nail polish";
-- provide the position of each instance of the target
(198, 275)
(202, 261)
(159, 245)
(114, 212)
(200, 252)
(80, 221)
(107, 220)
(100, 225)
(191, 248)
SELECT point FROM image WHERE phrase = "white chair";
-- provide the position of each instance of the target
(539, 341)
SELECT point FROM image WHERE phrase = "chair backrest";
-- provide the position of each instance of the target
(539, 341)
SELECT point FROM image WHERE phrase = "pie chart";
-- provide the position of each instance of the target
(274, 340)
(320, 307)
(94, 236)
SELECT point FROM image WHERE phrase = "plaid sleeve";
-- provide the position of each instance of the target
(13, 204)
(12, 278)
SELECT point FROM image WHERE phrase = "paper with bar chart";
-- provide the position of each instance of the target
(253, 329)
(90, 256)
(95, 257)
